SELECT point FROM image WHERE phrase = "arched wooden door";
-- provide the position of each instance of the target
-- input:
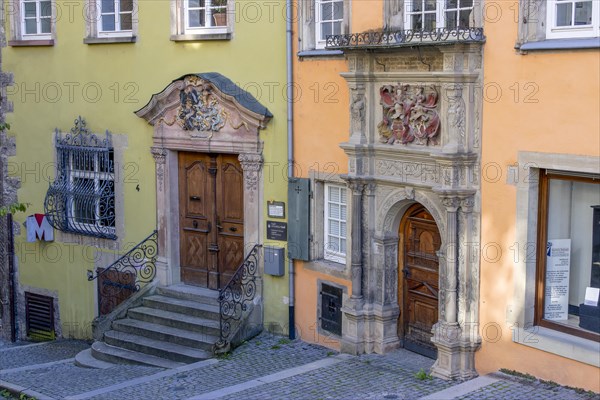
(211, 218)
(418, 271)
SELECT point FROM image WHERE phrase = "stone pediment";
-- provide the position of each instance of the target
(206, 106)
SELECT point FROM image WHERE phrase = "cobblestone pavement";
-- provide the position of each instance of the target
(266, 367)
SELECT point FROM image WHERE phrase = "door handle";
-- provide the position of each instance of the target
(233, 229)
(195, 198)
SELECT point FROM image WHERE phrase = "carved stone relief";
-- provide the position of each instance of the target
(410, 115)
(251, 164)
(160, 156)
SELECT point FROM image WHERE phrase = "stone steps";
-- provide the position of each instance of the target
(176, 325)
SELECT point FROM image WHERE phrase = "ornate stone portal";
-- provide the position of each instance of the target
(204, 113)
(414, 137)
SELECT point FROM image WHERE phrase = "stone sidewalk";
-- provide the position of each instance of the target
(266, 367)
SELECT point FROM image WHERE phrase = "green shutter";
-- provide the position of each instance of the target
(299, 218)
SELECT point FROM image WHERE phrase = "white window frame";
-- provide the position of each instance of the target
(96, 175)
(118, 32)
(208, 7)
(573, 31)
(21, 16)
(320, 43)
(440, 13)
(329, 254)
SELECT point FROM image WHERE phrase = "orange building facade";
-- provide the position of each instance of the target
(423, 132)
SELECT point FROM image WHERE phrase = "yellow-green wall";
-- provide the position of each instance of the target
(128, 75)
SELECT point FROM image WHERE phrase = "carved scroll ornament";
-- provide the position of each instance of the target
(410, 115)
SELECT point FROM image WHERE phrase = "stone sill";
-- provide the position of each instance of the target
(320, 53)
(559, 343)
(110, 40)
(31, 43)
(560, 44)
(328, 267)
(201, 37)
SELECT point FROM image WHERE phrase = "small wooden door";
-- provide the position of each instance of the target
(419, 272)
(211, 213)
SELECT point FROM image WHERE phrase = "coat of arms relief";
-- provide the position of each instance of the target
(410, 115)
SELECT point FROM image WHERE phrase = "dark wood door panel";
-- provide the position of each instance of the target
(211, 218)
(419, 267)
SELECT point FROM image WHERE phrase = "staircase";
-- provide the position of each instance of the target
(174, 326)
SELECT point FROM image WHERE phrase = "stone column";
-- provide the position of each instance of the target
(447, 332)
(353, 319)
(162, 208)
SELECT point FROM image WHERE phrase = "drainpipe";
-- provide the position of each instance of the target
(290, 137)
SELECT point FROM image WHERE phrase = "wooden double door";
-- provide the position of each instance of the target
(211, 218)
(419, 276)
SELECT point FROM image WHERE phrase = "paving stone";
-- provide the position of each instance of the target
(40, 354)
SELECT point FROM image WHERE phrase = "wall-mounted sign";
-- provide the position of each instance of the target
(558, 265)
(276, 209)
(277, 230)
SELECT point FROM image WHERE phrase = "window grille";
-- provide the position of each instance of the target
(82, 198)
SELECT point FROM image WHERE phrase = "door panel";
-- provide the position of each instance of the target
(230, 210)
(211, 218)
(419, 267)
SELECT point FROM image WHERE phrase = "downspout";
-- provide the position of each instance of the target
(290, 146)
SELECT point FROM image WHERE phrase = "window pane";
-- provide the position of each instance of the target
(465, 18)
(333, 244)
(343, 213)
(337, 28)
(30, 26)
(196, 18)
(126, 5)
(334, 227)
(30, 10)
(451, 20)
(334, 211)
(326, 12)
(107, 6)
(564, 14)
(466, 3)
(583, 13)
(338, 10)
(45, 9)
(126, 22)
(108, 22)
(342, 229)
(417, 5)
(194, 3)
(45, 25)
(417, 22)
(334, 194)
(430, 5)
(429, 22)
(343, 246)
(451, 3)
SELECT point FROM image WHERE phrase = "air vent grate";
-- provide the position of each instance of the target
(39, 314)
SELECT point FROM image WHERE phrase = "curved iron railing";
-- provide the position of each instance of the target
(404, 37)
(122, 278)
(236, 296)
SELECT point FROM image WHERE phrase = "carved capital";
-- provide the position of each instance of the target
(159, 154)
(251, 165)
(357, 187)
(467, 204)
(451, 203)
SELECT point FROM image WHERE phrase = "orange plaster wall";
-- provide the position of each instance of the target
(559, 116)
(306, 305)
(366, 15)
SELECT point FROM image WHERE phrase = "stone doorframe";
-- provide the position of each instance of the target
(387, 173)
(205, 113)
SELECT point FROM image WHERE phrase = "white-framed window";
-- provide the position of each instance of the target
(205, 15)
(572, 19)
(115, 17)
(429, 15)
(335, 223)
(329, 18)
(36, 19)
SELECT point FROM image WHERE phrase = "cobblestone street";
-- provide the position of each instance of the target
(266, 367)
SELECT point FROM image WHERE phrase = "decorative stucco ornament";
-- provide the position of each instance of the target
(410, 115)
(200, 111)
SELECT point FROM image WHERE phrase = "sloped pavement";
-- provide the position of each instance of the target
(266, 367)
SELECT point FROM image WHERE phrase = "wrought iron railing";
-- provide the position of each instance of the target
(237, 295)
(408, 37)
(125, 276)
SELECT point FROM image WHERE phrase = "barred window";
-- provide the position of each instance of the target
(82, 197)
